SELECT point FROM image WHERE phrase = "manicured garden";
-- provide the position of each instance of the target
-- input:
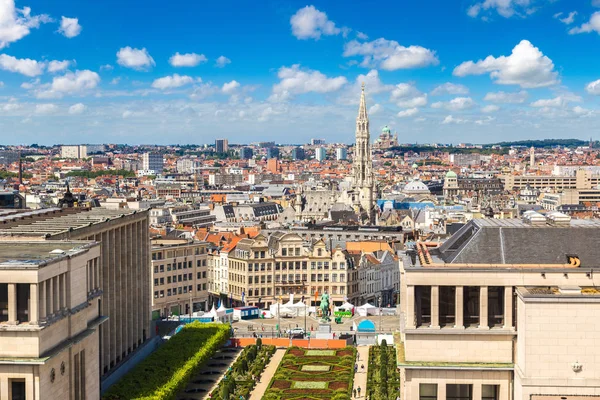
(244, 373)
(383, 379)
(166, 371)
(313, 375)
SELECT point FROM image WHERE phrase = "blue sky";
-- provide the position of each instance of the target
(189, 72)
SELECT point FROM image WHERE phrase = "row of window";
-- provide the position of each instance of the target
(178, 290)
(160, 255)
(283, 291)
(429, 391)
(179, 265)
(179, 278)
(287, 265)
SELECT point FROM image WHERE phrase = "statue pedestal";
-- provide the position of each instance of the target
(324, 331)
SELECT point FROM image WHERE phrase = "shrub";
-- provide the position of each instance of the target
(166, 371)
(259, 343)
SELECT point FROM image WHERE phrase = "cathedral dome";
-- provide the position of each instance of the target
(386, 129)
(416, 187)
(451, 174)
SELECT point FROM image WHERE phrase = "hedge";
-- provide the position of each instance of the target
(383, 379)
(168, 370)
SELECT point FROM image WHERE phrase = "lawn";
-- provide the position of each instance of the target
(313, 375)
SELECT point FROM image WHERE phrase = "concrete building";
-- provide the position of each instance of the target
(378, 279)
(81, 150)
(505, 309)
(124, 267)
(152, 162)
(272, 152)
(317, 142)
(320, 154)
(246, 153)
(8, 157)
(583, 179)
(179, 276)
(221, 145)
(341, 153)
(50, 314)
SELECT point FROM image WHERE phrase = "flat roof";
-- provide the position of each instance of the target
(40, 252)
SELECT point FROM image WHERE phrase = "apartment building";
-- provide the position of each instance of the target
(582, 179)
(179, 276)
(378, 278)
(259, 270)
(50, 314)
(505, 309)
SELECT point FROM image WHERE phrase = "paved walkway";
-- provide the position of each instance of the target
(267, 375)
(360, 378)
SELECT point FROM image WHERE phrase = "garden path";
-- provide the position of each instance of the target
(267, 375)
(360, 378)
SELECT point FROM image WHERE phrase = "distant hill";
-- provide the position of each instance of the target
(544, 143)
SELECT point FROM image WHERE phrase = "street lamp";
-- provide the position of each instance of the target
(380, 314)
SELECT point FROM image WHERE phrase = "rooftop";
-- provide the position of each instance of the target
(41, 252)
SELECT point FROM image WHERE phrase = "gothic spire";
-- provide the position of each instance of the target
(362, 109)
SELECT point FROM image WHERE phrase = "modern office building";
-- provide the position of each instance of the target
(320, 154)
(50, 315)
(246, 153)
(221, 145)
(298, 154)
(124, 267)
(582, 179)
(152, 162)
(317, 142)
(179, 276)
(505, 309)
(272, 152)
(341, 153)
(8, 157)
(80, 150)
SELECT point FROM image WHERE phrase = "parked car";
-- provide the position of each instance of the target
(295, 331)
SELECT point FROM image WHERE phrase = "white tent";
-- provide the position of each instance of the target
(367, 309)
(346, 306)
(283, 309)
(300, 308)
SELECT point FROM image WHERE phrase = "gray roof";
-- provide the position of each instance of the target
(511, 241)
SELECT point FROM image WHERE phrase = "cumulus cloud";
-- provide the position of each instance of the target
(294, 80)
(24, 66)
(593, 87)
(222, 61)
(373, 83)
(310, 23)
(172, 82)
(582, 112)
(70, 83)
(451, 120)
(45, 109)
(408, 113)
(456, 104)
(406, 95)
(558, 101)
(138, 59)
(57, 66)
(15, 23)
(505, 8)
(490, 108)
(527, 67)
(77, 108)
(375, 109)
(187, 60)
(449, 88)
(568, 20)
(106, 67)
(506, 97)
(69, 27)
(390, 55)
(230, 87)
(593, 25)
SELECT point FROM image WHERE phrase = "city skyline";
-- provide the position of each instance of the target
(434, 72)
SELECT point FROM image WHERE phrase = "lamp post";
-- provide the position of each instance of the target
(380, 314)
(303, 293)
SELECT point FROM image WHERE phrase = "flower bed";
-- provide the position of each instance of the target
(244, 373)
(313, 375)
(383, 380)
(166, 371)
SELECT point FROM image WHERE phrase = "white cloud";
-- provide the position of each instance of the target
(69, 27)
(1, 84)
(46, 108)
(506, 97)
(484, 121)
(15, 23)
(558, 101)
(57, 66)
(203, 91)
(373, 84)
(595, 3)
(294, 80)
(361, 36)
(451, 120)
(505, 8)
(582, 112)
(390, 55)
(593, 87)
(24, 66)
(106, 67)
(70, 83)
(593, 25)
(310, 23)
(230, 87)
(187, 60)
(527, 67)
(128, 114)
(375, 109)
(138, 59)
(77, 108)
(115, 81)
(408, 113)
(568, 20)
(222, 61)
(490, 108)
(406, 95)
(11, 107)
(456, 104)
(449, 88)
(172, 82)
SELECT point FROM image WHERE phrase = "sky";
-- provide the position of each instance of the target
(188, 72)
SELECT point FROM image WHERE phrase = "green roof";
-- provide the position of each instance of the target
(450, 174)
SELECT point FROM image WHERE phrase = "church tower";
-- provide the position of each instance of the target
(362, 169)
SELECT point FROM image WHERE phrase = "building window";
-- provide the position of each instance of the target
(423, 305)
(490, 392)
(495, 306)
(162, 268)
(428, 391)
(168, 267)
(284, 252)
(156, 269)
(459, 392)
(471, 306)
(319, 252)
(447, 305)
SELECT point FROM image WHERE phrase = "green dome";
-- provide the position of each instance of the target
(451, 174)
(386, 129)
